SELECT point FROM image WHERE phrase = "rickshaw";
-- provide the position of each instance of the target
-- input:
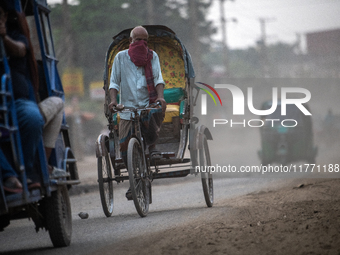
(288, 142)
(49, 206)
(179, 127)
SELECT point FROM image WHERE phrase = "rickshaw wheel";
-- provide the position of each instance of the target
(139, 183)
(58, 217)
(105, 184)
(206, 176)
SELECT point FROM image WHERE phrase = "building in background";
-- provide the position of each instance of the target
(323, 49)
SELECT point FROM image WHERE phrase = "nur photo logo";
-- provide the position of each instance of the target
(280, 98)
(204, 97)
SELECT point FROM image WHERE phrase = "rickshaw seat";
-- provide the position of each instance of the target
(173, 72)
(172, 96)
(171, 111)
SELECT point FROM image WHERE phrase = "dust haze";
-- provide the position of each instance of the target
(238, 145)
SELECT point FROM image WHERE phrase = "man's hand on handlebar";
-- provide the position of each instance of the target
(114, 107)
(163, 104)
(119, 107)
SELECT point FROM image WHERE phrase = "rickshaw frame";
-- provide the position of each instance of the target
(107, 146)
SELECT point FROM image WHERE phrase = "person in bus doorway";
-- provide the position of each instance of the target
(28, 114)
(34, 121)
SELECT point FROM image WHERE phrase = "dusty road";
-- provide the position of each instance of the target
(296, 218)
(250, 215)
(176, 202)
(300, 218)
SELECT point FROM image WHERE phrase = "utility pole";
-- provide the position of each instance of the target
(150, 11)
(298, 44)
(76, 128)
(68, 36)
(196, 46)
(225, 50)
(298, 51)
(263, 47)
(224, 39)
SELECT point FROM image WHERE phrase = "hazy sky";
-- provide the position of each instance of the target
(285, 18)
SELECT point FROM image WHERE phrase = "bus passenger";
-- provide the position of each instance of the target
(9, 177)
(31, 119)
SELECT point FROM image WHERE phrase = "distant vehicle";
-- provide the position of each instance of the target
(282, 144)
(49, 207)
(330, 132)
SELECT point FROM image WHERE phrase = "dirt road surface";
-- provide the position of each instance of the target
(301, 218)
(250, 216)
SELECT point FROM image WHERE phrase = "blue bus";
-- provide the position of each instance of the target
(48, 204)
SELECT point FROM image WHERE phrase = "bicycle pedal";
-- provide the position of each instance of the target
(155, 155)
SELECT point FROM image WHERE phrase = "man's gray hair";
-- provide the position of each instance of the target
(131, 33)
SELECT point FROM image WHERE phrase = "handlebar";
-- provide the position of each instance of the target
(122, 108)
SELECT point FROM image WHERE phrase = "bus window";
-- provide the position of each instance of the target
(34, 37)
(47, 37)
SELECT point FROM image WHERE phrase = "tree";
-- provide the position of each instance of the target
(95, 22)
